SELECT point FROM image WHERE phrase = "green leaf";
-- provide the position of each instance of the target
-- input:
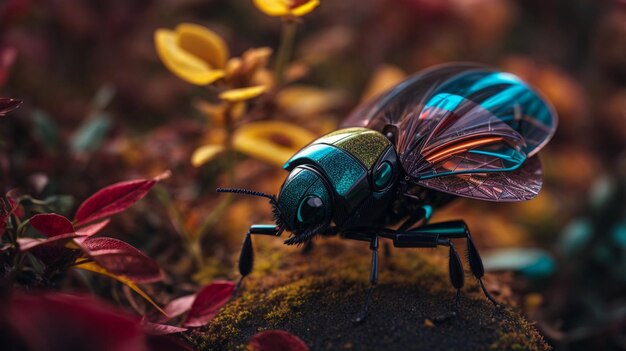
(90, 134)
(46, 129)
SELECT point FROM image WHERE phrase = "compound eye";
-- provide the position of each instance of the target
(311, 210)
(383, 175)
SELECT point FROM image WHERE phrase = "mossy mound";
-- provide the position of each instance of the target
(316, 296)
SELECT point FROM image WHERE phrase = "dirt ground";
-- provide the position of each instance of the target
(316, 297)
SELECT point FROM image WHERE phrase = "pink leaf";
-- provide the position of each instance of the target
(113, 199)
(51, 224)
(179, 306)
(92, 229)
(56, 321)
(27, 244)
(7, 105)
(208, 302)
(121, 258)
(160, 329)
(276, 340)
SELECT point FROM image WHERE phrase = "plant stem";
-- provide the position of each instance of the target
(287, 40)
(191, 245)
(227, 199)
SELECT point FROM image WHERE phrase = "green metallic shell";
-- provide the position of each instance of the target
(341, 169)
(365, 144)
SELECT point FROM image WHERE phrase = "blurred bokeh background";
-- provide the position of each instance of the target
(100, 107)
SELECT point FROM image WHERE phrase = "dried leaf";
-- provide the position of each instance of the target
(96, 268)
(276, 340)
(208, 302)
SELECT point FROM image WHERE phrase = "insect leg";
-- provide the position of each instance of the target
(458, 229)
(373, 279)
(425, 212)
(425, 236)
(455, 268)
(246, 257)
(432, 235)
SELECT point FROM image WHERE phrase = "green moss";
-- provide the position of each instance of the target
(316, 296)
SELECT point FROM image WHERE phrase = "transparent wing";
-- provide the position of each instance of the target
(463, 119)
(522, 184)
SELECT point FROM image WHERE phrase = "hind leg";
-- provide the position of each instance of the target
(436, 234)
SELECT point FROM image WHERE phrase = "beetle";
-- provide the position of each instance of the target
(457, 130)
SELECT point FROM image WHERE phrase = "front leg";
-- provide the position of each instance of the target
(373, 279)
(246, 257)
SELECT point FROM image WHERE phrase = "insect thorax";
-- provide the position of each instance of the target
(360, 167)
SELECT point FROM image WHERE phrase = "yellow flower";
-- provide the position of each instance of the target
(242, 94)
(385, 77)
(205, 153)
(282, 8)
(304, 100)
(271, 141)
(192, 52)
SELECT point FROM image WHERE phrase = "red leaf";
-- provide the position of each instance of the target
(7, 207)
(7, 58)
(7, 105)
(160, 329)
(51, 224)
(168, 343)
(92, 229)
(56, 321)
(208, 302)
(113, 199)
(27, 244)
(179, 306)
(121, 258)
(276, 340)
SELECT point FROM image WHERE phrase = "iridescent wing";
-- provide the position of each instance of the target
(465, 129)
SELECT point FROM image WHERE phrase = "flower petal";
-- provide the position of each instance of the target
(305, 8)
(275, 8)
(279, 8)
(182, 63)
(202, 43)
(271, 141)
(205, 153)
(304, 100)
(385, 77)
(242, 94)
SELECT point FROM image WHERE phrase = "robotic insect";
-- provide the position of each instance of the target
(455, 130)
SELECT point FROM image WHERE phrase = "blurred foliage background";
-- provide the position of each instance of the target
(100, 107)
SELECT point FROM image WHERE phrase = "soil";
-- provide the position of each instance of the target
(316, 296)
